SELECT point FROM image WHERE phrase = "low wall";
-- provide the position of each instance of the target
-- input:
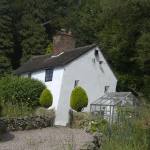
(96, 144)
(27, 123)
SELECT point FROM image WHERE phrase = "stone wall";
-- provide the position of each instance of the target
(96, 144)
(26, 123)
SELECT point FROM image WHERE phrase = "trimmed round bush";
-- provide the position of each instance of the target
(14, 89)
(46, 98)
(78, 99)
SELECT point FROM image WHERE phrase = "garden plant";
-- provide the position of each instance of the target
(46, 98)
(19, 96)
(78, 99)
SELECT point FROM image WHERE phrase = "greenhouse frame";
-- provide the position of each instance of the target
(114, 106)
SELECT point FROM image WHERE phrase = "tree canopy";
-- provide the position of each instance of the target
(121, 29)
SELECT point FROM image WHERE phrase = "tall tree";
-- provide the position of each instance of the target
(34, 37)
(6, 38)
(121, 28)
(16, 8)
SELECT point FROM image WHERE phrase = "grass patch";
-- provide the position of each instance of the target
(133, 134)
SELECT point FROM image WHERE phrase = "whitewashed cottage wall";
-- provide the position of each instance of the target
(92, 76)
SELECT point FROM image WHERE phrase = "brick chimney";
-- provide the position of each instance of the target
(63, 41)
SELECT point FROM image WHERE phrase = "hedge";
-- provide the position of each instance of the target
(16, 89)
(78, 99)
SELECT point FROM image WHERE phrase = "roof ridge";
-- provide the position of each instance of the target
(74, 49)
(39, 56)
(78, 48)
(35, 56)
(46, 61)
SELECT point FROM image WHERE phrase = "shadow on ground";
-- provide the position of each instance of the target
(6, 137)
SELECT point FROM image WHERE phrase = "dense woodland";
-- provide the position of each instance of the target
(120, 27)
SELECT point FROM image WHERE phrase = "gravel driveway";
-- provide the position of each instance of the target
(54, 138)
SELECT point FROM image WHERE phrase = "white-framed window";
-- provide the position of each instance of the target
(96, 52)
(48, 75)
(76, 83)
(106, 89)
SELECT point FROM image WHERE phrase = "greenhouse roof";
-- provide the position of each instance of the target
(113, 98)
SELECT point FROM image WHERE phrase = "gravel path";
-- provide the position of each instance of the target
(45, 139)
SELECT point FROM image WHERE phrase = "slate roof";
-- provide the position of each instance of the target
(48, 61)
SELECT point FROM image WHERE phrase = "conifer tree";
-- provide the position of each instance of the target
(6, 38)
(34, 38)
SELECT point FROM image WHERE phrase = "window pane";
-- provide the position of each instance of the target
(106, 89)
(76, 83)
(48, 75)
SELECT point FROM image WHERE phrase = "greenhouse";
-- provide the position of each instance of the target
(115, 106)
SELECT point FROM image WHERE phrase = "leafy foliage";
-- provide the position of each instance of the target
(35, 38)
(18, 90)
(132, 134)
(0, 109)
(100, 125)
(49, 48)
(6, 37)
(16, 110)
(46, 98)
(121, 28)
(146, 88)
(23, 29)
(78, 99)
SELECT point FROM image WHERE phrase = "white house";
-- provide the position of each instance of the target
(67, 68)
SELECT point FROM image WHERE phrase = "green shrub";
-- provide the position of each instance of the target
(98, 125)
(78, 99)
(20, 90)
(129, 134)
(46, 98)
